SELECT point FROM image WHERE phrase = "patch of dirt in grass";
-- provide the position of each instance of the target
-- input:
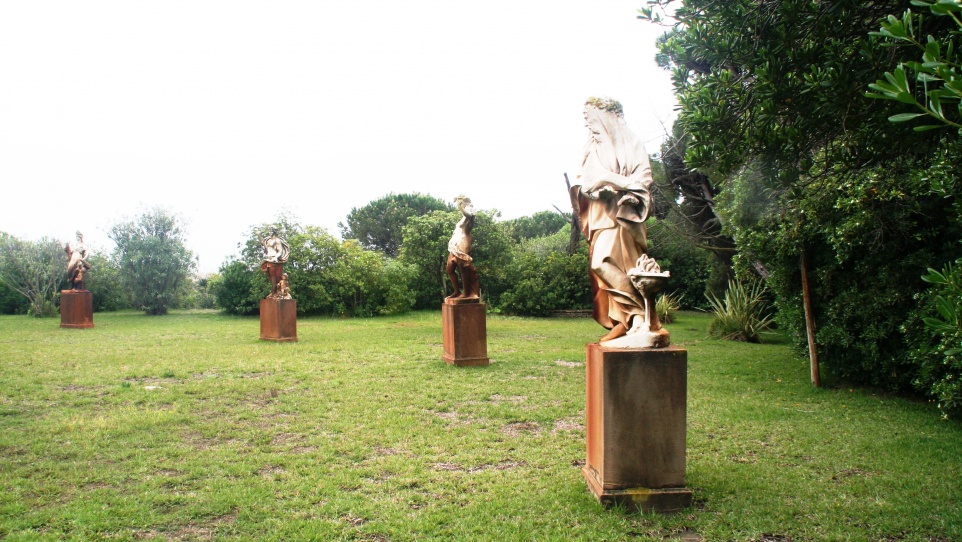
(270, 472)
(686, 536)
(578, 463)
(353, 521)
(504, 464)
(154, 381)
(567, 424)
(169, 472)
(145, 534)
(202, 531)
(772, 538)
(302, 449)
(78, 388)
(286, 438)
(564, 363)
(516, 429)
(513, 399)
(191, 531)
(455, 418)
(261, 374)
(848, 473)
(745, 458)
(381, 452)
(199, 442)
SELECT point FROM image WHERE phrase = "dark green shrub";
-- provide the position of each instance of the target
(939, 352)
(106, 284)
(240, 288)
(546, 278)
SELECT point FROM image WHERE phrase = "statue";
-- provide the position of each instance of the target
(276, 252)
(459, 254)
(283, 288)
(614, 200)
(77, 264)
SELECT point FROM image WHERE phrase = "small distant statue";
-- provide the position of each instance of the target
(283, 288)
(459, 254)
(276, 252)
(77, 264)
(614, 200)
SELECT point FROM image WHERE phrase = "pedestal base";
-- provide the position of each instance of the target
(636, 416)
(279, 320)
(76, 309)
(664, 500)
(465, 332)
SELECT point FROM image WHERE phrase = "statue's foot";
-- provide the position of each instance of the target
(455, 295)
(617, 331)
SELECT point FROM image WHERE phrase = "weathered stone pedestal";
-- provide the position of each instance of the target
(76, 309)
(465, 332)
(278, 320)
(636, 415)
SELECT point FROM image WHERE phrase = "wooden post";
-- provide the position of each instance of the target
(809, 321)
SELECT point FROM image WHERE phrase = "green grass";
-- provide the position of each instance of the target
(187, 426)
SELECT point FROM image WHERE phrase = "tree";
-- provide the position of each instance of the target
(153, 259)
(544, 277)
(34, 269)
(379, 225)
(105, 282)
(239, 291)
(425, 248)
(327, 276)
(938, 81)
(806, 168)
(11, 302)
(540, 224)
(782, 81)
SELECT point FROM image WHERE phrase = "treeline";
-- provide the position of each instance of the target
(817, 144)
(389, 259)
(392, 255)
(150, 269)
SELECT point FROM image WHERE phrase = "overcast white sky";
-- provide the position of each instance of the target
(228, 112)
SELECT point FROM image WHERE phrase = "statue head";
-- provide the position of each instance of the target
(604, 118)
(464, 205)
(605, 103)
(80, 236)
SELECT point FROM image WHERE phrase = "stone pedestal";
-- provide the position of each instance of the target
(279, 320)
(636, 415)
(465, 332)
(76, 309)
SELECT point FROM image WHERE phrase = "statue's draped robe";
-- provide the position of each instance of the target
(459, 246)
(616, 231)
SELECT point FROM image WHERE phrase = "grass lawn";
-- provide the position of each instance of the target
(187, 426)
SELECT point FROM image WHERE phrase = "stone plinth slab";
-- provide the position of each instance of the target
(464, 324)
(279, 320)
(636, 416)
(76, 309)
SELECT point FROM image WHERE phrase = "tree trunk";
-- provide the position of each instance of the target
(809, 321)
